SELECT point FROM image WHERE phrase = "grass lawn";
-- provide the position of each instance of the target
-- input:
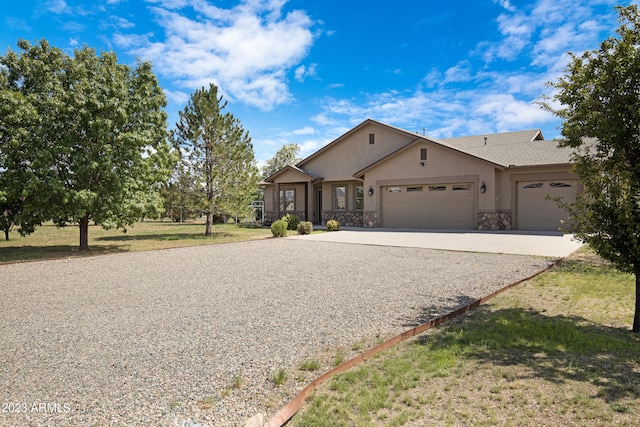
(552, 351)
(50, 241)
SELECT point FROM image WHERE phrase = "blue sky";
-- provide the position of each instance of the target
(308, 71)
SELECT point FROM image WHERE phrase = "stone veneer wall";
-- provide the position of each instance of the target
(346, 218)
(494, 221)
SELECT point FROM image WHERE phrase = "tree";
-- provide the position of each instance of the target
(599, 97)
(179, 196)
(15, 177)
(218, 152)
(93, 143)
(286, 155)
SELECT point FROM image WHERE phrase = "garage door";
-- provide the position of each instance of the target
(429, 206)
(537, 213)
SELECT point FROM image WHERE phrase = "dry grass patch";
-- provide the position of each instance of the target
(49, 241)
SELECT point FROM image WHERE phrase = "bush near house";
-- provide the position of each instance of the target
(292, 221)
(305, 227)
(333, 225)
(279, 228)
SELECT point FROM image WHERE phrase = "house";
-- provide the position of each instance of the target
(377, 175)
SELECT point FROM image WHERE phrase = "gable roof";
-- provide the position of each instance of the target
(270, 179)
(418, 140)
(346, 135)
(502, 150)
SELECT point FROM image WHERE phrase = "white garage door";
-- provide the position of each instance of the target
(537, 213)
(429, 206)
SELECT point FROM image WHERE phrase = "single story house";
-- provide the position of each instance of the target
(377, 175)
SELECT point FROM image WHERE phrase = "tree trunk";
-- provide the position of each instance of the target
(84, 233)
(6, 234)
(207, 231)
(636, 317)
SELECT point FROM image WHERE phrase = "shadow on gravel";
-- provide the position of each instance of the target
(36, 253)
(555, 348)
(434, 311)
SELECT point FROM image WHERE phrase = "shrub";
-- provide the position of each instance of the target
(305, 227)
(279, 377)
(333, 225)
(279, 228)
(292, 221)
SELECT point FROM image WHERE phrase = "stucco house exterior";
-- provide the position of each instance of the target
(377, 175)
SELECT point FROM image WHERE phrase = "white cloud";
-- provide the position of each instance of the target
(176, 96)
(505, 4)
(57, 6)
(307, 130)
(546, 29)
(246, 50)
(303, 71)
(461, 72)
(508, 113)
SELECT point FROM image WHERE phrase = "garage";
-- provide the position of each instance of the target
(436, 206)
(537, 213)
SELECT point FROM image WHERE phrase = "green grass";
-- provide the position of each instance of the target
(49, 241)
(279, 377)
(555, 350)
(309, 365)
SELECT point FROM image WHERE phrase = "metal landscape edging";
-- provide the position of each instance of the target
(294, 405)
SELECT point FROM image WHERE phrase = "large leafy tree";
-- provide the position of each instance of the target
(287, 155)
(92, 141)
(218, 153)
(599, 98)
(15, 175)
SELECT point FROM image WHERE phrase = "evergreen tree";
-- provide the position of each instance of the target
(217, 152)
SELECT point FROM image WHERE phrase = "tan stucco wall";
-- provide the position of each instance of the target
(341, 161)
(443, 166)
(291, 176)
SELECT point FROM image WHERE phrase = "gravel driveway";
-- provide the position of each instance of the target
(164, 337)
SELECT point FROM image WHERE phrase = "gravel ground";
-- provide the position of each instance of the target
(192, 336)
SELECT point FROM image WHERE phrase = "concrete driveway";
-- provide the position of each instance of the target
(548, 244)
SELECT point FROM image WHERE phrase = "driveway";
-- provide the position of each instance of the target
(167, 337)
(549, 244)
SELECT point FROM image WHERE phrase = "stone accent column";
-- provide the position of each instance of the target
(371, 219)
(492, 221)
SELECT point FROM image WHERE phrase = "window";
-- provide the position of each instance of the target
(372, 138)
(423, 154)
(359, 197)
(437, 188)
(287, 200)
(414, 189)
(340, 198)
(534, 185)
(559, 185)
(394, 189)
(461, 187)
